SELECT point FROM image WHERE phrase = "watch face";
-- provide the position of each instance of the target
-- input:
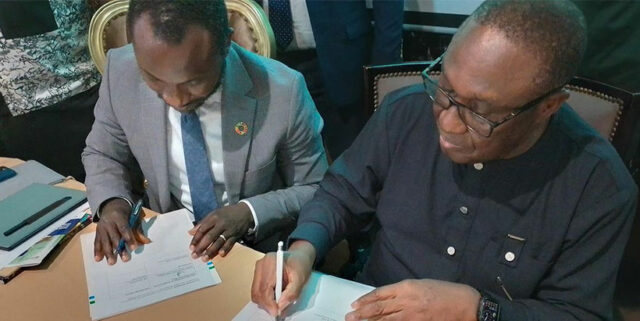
(490, 310)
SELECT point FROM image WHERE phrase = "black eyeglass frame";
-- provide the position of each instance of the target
(453, 102)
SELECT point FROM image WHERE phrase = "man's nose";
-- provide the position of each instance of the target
(449, 121)
(175, 97)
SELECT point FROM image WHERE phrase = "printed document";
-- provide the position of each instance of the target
(323, 298)
(157, 271)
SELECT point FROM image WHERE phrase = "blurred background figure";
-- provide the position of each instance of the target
(48, 84)
(329, 41)
(613, 34)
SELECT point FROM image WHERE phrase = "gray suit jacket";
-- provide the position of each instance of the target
(276, 166)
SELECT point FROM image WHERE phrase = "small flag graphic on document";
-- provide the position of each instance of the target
(92, 299)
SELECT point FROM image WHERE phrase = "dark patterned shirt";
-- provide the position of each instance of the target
(552, 223)
(43, 53)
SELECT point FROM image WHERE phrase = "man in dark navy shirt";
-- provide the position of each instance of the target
(495, 200)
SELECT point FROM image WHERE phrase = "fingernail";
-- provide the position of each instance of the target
(97, 258)
(223, 253)
(194, 255)
(192, 247)
(350, 317)
(205, 258)
(354, 305)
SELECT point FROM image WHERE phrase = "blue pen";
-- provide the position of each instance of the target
(133, 219)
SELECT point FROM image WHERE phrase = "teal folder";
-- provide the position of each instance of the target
(50, 202)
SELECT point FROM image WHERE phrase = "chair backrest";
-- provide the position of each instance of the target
(250, 24)
(613, 112)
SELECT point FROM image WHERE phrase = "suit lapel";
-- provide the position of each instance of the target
(154, 120)
(238, 109)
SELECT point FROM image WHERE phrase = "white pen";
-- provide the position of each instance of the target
(279, 271)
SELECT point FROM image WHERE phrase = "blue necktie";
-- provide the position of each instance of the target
(203, 196)
(280, 18)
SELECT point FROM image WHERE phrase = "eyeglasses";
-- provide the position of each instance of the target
(472, 120)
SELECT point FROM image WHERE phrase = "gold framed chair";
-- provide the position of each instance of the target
(251, 27)
(108, 29)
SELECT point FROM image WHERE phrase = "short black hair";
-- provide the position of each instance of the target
(171, 18)
(554, 31)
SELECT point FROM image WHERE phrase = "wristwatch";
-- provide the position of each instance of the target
(488, 309)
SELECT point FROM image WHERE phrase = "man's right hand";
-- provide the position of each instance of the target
(113, 226)
(298, 262)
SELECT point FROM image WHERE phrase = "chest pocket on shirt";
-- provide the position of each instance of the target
(519, 270)
(19, 19)
(259, 181)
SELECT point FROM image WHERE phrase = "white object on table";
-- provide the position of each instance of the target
(157, 271)
(279, 271)
(323, 298)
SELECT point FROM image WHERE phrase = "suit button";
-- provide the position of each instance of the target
(478, 166)
(451, 250)
(464, 210)
(509, 256)
(145, 184)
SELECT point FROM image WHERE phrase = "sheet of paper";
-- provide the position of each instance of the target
(157, 271)
(8, 256)
(323, 298)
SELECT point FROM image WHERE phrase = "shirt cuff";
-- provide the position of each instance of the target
(253, 230)
(96, 217)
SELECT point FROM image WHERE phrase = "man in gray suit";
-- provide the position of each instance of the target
(225, 133)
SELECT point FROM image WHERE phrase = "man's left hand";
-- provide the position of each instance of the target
(220, 230)
(418, 300)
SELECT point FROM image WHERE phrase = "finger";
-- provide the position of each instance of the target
(193, 230)
(378, 294)
(228, 245)
(374, 309)
(125, 255)
(97, 248)
(395, 316)
(127, 234)
(292, 288)
(107, 249)
(210, 237)
(212, 250)
(264, 282)
(202, 229)
(113, 235)
(141, 238)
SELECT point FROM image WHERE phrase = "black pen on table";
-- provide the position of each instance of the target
(134, 217)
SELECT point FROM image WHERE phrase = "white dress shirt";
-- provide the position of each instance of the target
(302, 32)
(210, 120)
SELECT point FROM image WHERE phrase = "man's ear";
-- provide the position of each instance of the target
(551, 105)
(228, 44)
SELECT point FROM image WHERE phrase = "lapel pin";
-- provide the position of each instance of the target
(241, 128)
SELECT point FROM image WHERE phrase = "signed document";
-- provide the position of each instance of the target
(157, 271)
(323, 298)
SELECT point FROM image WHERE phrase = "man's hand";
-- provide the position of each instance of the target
(298, 262)
(232, 222)
(418, 300)
(113, 226)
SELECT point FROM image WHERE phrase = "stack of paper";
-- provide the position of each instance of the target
(157, 271)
